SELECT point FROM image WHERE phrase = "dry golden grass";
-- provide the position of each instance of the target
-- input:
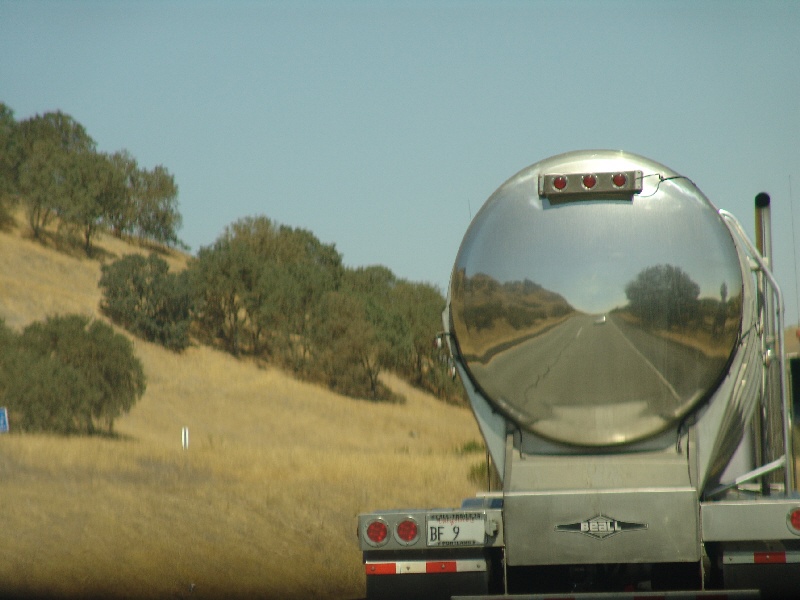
(263, 503)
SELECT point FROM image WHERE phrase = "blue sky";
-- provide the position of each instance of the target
(382, 127)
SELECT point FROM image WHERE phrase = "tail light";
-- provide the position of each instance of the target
(377, 533)
(793, 520)
(407, 531)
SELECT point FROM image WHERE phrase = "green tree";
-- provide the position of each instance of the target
(7, 349)
(46, 143)
(258, 283)
(99, 378)
(42, 184)
(121, 216)
(44, 394)
(51, 163)
(404, 318)
(375, 286)
(304, 269)
(345, 347)
(58, 128)
(141, 295)
(270, 312)
(420, 306)
(95, 189)
(9, 158)
(217, 278)
(426, 365)
(252, 243)
(296, 290)
(156, 206)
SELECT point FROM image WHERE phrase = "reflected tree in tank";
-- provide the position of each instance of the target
(663, 296)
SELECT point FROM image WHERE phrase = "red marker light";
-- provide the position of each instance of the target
(377, 531)
(560, 182)
(407, 530)
(589, 181)
(794, 519)
(619, 179)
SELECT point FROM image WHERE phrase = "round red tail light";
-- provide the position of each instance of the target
(560, 182)
(589, 181)
(793, 520)
(619, 179)
(377, 532)
(407, 531)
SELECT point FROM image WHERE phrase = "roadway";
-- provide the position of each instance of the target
(585, 363)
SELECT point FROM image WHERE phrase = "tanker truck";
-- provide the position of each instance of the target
(620, 341)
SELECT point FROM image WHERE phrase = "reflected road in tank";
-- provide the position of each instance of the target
(596, 373)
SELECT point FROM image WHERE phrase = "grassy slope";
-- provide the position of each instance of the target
(263, 503)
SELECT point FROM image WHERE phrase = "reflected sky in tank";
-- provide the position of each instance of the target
(588, 251)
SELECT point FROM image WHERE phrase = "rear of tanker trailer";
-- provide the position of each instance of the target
(620, 341)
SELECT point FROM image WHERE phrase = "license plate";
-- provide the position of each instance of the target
(456, 529)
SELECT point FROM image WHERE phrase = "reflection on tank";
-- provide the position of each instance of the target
(665, 297)
(597, 320)
(500, 315)
(550, 367)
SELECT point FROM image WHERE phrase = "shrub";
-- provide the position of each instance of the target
(69, 375)
(141, 295)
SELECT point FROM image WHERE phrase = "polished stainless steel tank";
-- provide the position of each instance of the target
(596, 298)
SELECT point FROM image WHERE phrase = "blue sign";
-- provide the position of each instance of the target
(3, 420)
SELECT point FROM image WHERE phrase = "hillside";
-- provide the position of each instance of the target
(261, 504)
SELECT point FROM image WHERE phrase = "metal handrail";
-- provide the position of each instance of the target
(789, 475)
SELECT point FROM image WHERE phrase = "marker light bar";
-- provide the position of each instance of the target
(616, 185)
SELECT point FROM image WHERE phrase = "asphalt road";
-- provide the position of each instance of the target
(585, 363)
